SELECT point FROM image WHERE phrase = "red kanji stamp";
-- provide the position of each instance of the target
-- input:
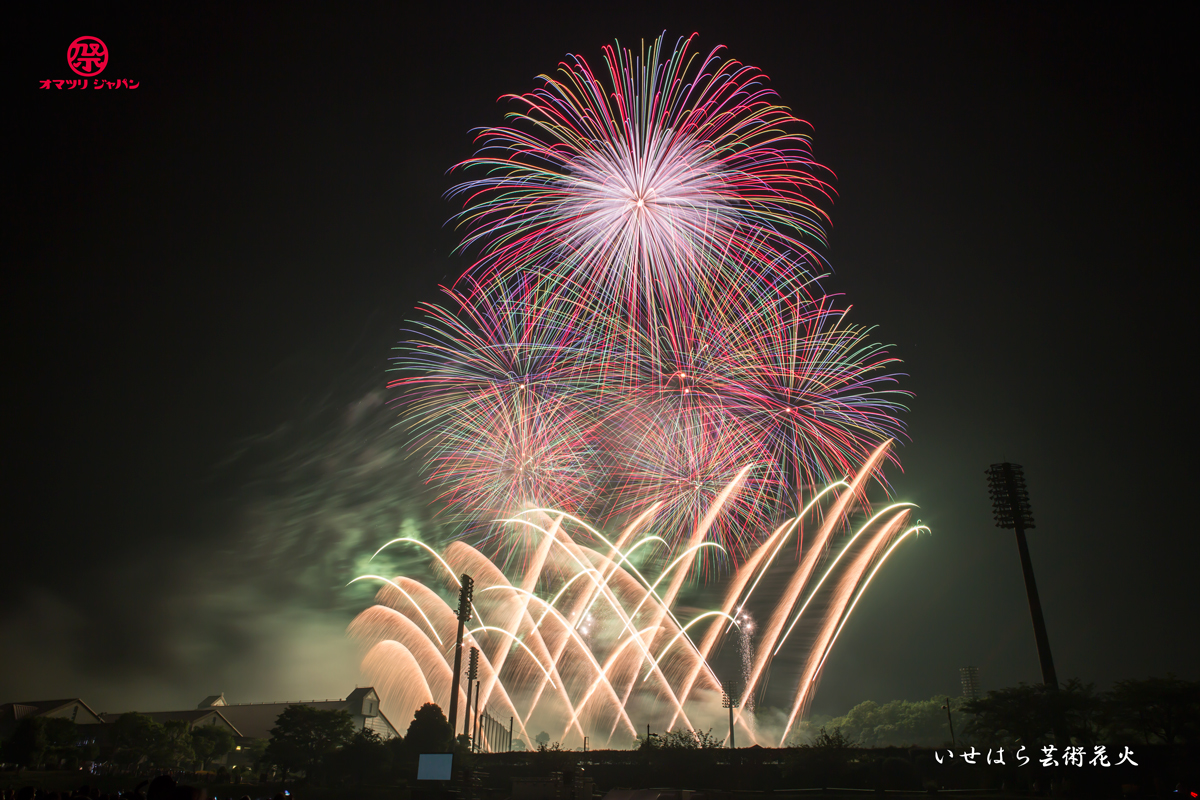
(87, 56)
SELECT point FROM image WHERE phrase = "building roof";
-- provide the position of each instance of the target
(73, 709)
(361, 692)
(245, 720)
(199, 716)
(255, 720)
(11, 712)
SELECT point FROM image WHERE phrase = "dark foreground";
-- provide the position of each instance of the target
(747, 774)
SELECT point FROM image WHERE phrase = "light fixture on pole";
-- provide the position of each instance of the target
(1010, 506)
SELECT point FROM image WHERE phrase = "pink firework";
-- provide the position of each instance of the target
(816, 389)
(495, 401)
(676, 175)
(684, 457)
(643, 325)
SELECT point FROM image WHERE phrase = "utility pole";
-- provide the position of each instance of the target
(1010, 506)
(951, 721)
(465, 591)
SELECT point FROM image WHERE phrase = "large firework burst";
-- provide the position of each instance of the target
(642, 341)
(677, 174)
(496, 401)
(819, 391)
(644, 325)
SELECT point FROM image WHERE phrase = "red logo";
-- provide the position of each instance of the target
(87, 56)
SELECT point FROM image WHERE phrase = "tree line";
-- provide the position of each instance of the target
(1147, 711)
(132, 740)
(325, 747)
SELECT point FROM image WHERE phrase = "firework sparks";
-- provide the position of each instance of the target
(599, 640)
(676, 168)
(641, 340)
(745, 648)
(497, 403)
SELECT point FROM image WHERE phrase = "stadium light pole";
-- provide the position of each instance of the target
(465, 592)
(729, 699)
(1010, 506)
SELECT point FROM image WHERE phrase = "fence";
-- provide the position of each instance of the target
(492, 736)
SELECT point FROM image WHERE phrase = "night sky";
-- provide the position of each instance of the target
(205, 276)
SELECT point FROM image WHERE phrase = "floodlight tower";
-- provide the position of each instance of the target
(970, 682)
(465, 592)
(1010, 505)
(729, 699)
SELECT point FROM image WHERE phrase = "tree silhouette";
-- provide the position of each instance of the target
(210, 742)
(899, 723)
(303, 736)
(429, 731)
(173, 747)
(28, 744)
(1023, 714)
(364, 757)
(1157, 709)
(133, 737)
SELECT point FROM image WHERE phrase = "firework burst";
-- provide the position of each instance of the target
(683, 460)
(643, 324)
(678, 174)
(496, 402)
(642, 340)
(573, 637)
(819, 392)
